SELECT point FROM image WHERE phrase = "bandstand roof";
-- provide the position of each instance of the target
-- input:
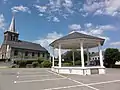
(73, 40)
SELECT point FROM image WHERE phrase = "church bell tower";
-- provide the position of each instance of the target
(11, 34)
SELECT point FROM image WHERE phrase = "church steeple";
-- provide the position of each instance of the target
(12, 25)
(11, 34)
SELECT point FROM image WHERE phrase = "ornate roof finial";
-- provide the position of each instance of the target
(12, 25)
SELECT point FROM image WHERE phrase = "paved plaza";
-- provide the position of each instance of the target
(44, 79)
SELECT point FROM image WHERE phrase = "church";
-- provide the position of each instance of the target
(14, 49)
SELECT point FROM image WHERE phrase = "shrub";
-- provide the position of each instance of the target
(67, 64)
(35, 64)
(78, 62)
(14, 66)
(22, 63)
(29, 66)
(40, 60)
(46, 64)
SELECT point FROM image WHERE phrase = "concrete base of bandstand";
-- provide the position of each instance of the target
(79, 70)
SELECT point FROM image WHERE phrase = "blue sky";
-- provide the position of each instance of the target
(43, 21)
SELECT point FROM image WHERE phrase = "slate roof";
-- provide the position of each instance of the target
(75, 35)
(25, 45)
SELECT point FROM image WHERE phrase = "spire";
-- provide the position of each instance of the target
(12, 25)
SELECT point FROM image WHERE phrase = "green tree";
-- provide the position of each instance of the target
(68, 56)
(111, 55)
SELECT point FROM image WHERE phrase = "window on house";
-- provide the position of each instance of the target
(38, 54)
(33, 54)
(98, 58)
(15, 52)
(26, 53)
(43, 54)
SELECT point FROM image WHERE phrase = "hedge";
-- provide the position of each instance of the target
(35, 64)
(67, 64)
(46, 64)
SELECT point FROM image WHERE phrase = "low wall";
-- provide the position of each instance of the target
(79, 70)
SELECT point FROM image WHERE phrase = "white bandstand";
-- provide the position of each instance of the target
(80, 41)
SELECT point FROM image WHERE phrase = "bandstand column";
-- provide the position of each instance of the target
(59, 52)
(73, 57)
(53, 58)
(100, 54)
(82, 54)
(87, 50)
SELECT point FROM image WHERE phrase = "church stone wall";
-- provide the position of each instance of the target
(21, 54)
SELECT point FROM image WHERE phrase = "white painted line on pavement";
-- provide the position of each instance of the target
(39, 80)
(33, 76)
(56, 74)
(31, 73)
(98, 83)
(72, 86)
(82, 84)
(106, 82)
(75, 81)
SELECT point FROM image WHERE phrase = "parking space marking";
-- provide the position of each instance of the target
(83, 84)
(72, 86)
(80, 83)
(56, 74)
(27, 81)
(33, 76)
(31, 73)
(74, 81)
(106, 82)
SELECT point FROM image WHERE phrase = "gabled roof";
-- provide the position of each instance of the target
(77, 35)
(25, 45)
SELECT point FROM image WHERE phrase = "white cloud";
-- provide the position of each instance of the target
(92, 7)
(85, 14)
(90, 29)
(53, 8)
(40, 14)
(98, 30)
(108, 27)
(98, 12)
(20, 8)
(115, 43)
(41, 8)
(48, 39)
(2, 22)
(55, 19)
(105, 7)
(88, 25)
(68, 4)
(74, 27)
